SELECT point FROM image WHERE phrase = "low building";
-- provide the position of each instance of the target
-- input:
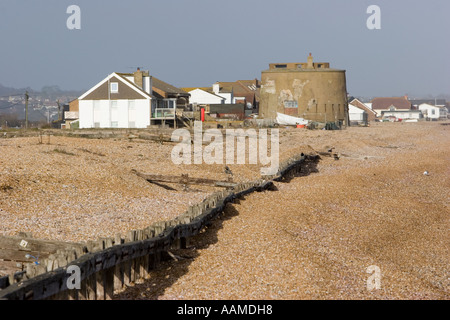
(401, 115)
(434, 102)
(359, 112)
(431, 112)
(243, 91)
(390, 104)
(240, 92)
(235, 111)
(202, 97)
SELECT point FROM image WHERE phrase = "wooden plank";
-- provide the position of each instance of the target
(185, 179)
(42, 246)
(4, 282)
(91, 287)
(100, 278)
(73, 294)
(118, 276)
(109, 283)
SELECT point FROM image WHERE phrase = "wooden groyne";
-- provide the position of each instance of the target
(110, 264)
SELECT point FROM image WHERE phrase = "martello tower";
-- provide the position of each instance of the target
(310, 90)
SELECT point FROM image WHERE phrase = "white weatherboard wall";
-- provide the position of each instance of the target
(355, 114)
(104, 114)
(430, 111)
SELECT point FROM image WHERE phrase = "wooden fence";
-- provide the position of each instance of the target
(111, 264)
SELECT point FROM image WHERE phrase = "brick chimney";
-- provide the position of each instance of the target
(138, 78)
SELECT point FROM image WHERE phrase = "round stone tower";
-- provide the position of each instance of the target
(310, 90)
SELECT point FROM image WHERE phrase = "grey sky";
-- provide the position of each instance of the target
(197, 42)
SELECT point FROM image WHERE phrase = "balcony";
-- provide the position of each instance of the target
(71, 115)
(163, 113)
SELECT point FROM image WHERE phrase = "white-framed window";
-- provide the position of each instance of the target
(114, 87)
(131, 114)
(97, 115)
(169, 103)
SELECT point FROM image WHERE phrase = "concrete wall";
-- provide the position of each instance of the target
(320, 94)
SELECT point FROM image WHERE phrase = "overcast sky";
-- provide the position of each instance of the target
(197, 42)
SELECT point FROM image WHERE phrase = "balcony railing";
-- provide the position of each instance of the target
(71, 115)
(164, 113)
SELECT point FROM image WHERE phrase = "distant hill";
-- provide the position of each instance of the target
(48, 92)
(4, 91)
(38, 103)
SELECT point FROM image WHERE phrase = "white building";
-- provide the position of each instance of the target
(356, 114)
(430, 112)
(402, 114)
(202, 97)
(225, 92)
(117, 102)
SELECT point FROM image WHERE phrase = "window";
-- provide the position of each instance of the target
(170, 104)
(131, 114)
(97, 115)
(433, 112)
(114, 87)
(114, 114)
(281, 66)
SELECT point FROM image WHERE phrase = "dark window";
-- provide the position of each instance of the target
(279, 66)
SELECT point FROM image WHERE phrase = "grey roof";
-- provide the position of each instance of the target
(417, 102)
(164, 86)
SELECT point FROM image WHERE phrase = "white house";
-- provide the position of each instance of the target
(356, 114)
(117, 102)
(224, 91)
(359, 112)
(199, 96)
(429, 111)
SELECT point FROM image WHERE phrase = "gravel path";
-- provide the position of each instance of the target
(316, 236)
